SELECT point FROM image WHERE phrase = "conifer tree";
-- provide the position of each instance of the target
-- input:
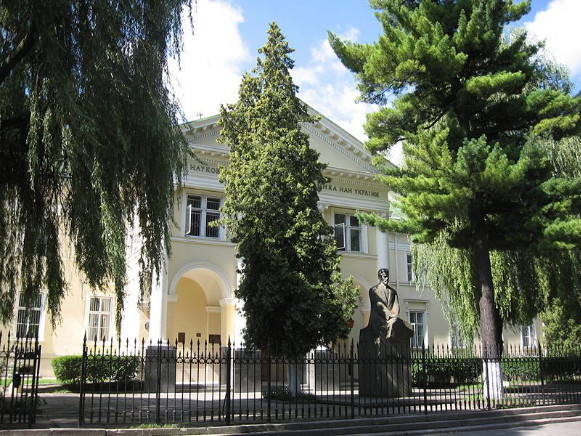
(294, 297)
(467, 98)
(89, 142)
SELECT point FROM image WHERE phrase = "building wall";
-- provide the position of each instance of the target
(194, 298)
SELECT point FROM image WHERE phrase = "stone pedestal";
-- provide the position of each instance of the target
(384, 366)
(247, 371)
(323, 373)
(160, 369)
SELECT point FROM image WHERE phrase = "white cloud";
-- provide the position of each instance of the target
(330, 88)
(559, 26)
(211, 62)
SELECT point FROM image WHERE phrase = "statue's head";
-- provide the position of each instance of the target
(383, 275)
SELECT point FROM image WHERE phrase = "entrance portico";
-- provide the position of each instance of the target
(197, 306)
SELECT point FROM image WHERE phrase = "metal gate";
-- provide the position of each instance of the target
(19, 369)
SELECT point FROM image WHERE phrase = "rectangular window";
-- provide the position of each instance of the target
(410, 267)
(348, 233)
(456, 340)
(28, 318)
(528, 335)
(99, 319)
(417, 322)
(201, 212)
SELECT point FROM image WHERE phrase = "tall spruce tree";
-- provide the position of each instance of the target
(294, 297)
(89, 141)
(467, 98)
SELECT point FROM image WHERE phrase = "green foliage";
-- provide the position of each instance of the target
(561, 369)
(517, 369)
(90, 146)
(473, 106)
(283, 393)
(294, 297)
(437, 372)
(68, 369)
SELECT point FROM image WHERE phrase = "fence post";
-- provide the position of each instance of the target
(352, 364)
(83, 381)
(541, 372)
(487, 377)
(269, 363)
(425, 373)
(34, 388)
(228, 379)
(158, 385)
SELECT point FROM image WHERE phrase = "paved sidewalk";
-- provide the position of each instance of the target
(60, 410)
(554, 429)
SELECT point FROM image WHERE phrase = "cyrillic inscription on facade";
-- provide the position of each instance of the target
(350, 190)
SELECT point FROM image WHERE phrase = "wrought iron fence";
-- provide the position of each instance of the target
(126, 383)
(19, 367)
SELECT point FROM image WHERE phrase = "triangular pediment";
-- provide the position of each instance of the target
(341, 151)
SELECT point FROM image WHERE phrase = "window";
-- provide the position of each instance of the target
(201, 212)
(28, 318)
(456, 340)
(99, 319)
(348, 233)
(410, 267)
(528, 335)
(417, 322)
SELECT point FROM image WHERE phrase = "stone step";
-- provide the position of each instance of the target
(420, 424)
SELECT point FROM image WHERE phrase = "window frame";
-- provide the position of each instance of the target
(347, 233)
(456, 340)
(530, 335)
(89, 312)
(41, 318)
(203, 209)
(414, 339)
(410, 267)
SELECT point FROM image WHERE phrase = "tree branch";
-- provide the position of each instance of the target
(12, 59)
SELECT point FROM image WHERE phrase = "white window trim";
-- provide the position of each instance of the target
(409, 267)
(187, 216)
(413, 305)
(111, 326)
(424, 325)
(454, 333)
(533, 335)
(346, 241)
(41, 320)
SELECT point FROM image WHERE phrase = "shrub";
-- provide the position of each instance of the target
(520, 369)
(68, 369)
(446, 371)
(283, 393)
(561, 368)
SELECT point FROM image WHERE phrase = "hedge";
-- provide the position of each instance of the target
(67, 369)
(445, 371)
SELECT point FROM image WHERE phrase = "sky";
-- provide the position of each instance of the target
(227, 34)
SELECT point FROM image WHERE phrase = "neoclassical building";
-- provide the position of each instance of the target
(194, 299)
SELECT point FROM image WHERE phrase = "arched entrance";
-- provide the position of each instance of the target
(200, 307)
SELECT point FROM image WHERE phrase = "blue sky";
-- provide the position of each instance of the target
(227, 34)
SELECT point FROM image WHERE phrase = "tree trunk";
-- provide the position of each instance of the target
(490, 321)
(294, 378)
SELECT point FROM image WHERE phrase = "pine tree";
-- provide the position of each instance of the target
(467, 98)
(89, 141)
(294, 298)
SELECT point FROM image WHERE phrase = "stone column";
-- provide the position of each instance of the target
(382, 249)
(158, 307)
(160, 357)
(227, 320)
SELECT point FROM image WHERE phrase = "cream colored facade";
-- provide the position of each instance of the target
(194, 298)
